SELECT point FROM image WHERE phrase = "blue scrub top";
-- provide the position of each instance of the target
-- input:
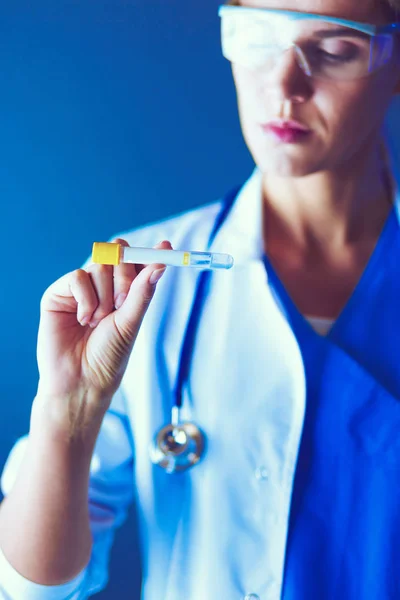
(343, 539)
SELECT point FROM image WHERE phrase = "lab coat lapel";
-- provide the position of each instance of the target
(244, 346)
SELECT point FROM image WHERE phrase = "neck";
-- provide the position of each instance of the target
(329, 209)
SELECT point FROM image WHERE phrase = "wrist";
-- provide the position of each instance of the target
(73, 418)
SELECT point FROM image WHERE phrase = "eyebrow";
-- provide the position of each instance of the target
(341, 32)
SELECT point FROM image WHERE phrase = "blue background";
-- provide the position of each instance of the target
(113, 114)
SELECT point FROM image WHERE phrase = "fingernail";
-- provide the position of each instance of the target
(84, 321)
(93, 324)
(156, 275)
(120, 300)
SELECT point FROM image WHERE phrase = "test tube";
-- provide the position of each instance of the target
(112, 253)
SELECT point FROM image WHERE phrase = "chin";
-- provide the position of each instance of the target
(284, 159)
(285, 163)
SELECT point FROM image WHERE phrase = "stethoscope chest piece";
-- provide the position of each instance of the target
(177, 447)
(180, 445)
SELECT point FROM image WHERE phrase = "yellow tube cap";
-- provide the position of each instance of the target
(106, 253)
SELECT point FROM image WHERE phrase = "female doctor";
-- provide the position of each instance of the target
(283, 370)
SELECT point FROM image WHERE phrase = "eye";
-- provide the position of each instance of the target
(334, 52)
(338, 50)
(329, 56)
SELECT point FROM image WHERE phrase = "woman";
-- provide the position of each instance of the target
(293, 375)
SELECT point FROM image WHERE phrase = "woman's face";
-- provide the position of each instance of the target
(345, 117)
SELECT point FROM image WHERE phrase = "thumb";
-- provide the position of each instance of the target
(128, 318)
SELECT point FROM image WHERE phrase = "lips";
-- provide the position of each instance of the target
(286, 124)
(286, 131)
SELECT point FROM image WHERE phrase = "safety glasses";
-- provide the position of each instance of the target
(325, 47)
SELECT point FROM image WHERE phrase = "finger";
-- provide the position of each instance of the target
(164, 245)
(81, 286)
(125, 273)
(102, 278)
(72, 293)
(129, 317)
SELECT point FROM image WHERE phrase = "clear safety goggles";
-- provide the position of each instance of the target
(325, 47)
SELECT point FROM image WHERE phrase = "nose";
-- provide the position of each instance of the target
(288, 80)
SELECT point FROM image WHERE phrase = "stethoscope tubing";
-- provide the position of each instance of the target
(197, 306)
(178, 446)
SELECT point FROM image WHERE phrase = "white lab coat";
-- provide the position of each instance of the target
(218, 530)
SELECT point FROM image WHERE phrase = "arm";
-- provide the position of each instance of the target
(54, 476)
(107, 493)
(89, 321)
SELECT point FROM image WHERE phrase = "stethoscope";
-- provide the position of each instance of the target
(180, 445)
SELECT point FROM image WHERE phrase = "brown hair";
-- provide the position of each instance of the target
(394, 8)
(394, 5)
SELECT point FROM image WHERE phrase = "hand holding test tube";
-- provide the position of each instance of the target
(89, 322)
(111, 253)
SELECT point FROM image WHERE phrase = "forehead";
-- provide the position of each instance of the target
(368, 11)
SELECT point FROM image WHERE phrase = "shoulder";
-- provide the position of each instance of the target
(189, 226)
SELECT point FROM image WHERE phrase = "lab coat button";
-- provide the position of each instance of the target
(262, 473)
(251, 597)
